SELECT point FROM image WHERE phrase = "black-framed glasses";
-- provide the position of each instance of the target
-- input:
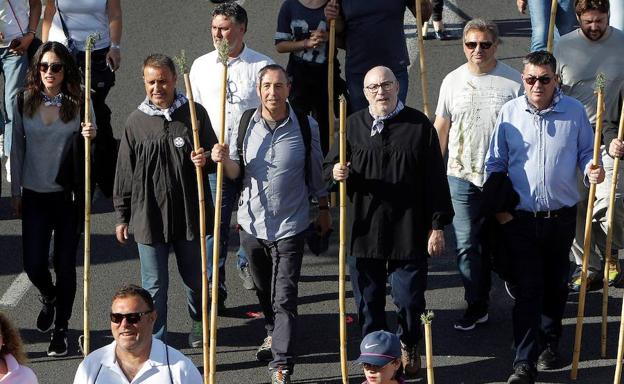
(131, 318)
(54, 67)
(374, 88)
(533, 79)
(481, 44)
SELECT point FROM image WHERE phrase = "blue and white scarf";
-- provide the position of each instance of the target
(378, 121)
(150, 109)
(56, 100)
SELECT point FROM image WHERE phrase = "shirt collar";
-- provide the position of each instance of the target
(553, 107)
(157, 357)
(257, 116)
(150, 109)
(12, 364)
(243, 56)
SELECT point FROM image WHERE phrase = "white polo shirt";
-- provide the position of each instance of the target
(100, 367)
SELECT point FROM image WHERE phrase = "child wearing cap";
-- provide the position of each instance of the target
(380, 356)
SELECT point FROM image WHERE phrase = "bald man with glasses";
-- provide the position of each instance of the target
(469, 101)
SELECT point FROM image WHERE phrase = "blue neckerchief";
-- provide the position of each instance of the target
(56, 100)
(149, 108)
(378, 121)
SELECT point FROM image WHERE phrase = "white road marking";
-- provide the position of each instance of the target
(16, 291)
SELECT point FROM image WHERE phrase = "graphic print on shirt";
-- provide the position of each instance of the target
(301, 31)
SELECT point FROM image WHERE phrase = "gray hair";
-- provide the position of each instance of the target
(483, 26)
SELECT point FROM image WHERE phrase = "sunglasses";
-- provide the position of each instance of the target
(542, 79)
(481, 44)
(131, 318)
(54, 67)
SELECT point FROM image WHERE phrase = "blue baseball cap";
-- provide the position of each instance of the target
(379, 348)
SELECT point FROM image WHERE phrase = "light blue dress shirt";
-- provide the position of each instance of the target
(541, 150)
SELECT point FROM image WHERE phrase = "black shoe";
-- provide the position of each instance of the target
(219, 1)
(47, 314)
(58, 343)
(523, 374)
(245, 275)
(475, 314)
(264, 351)
(548, 359)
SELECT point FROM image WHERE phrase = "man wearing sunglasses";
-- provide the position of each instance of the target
(540, 141)
(470, 98)
(605, 45)
(135, 355)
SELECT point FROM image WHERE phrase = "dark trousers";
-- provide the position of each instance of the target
(437, 8)
(42, 214)
(275, 267)
(408, 279)
(539, 251)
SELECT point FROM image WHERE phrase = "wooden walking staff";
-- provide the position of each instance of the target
(181, 61)
(551, 26)
(330, 88)
(607, 257)
(426, 319)
(421, 57)
(342, 253)
(86, 339)
(600, 83)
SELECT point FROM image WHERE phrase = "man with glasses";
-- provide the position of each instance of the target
(229, 23)
(469, 101)
(398, 204)
(135, 355)
(605, 44)
(540, 141)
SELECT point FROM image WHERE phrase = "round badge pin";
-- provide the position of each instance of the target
(178, 142)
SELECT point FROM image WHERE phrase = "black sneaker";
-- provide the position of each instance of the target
(523, 374)
(245, 275)
(47, 313)
(548, 359)
(264, 351)
(475, 314)
(58, 343)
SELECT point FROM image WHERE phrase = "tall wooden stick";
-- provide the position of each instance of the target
(86, 338)
(181, 61)
(421, 57)
(551, 25)
(330, 89)
(342, 252)
(426, 319)
(616, 164)
(600, 83)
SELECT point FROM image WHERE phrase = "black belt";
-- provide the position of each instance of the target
(547, 214)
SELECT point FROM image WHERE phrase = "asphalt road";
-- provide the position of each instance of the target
(480, 356)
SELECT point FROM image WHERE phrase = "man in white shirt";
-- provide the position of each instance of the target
(229, 23)
(470, 98)
(135, 356)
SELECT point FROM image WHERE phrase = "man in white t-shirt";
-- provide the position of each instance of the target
(470, 99)
(229, 22)
(135, 356)
(18, 26)
(602, 47)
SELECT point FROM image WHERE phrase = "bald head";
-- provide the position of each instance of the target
(381, 89)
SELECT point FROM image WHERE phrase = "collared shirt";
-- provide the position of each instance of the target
(207, 78)
(274, 200)
(541, 152)
(17, 374)
(101, 367)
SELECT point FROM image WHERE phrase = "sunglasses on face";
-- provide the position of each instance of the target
(542, 79)
(54, 67)
(131, 318)
(481, 44)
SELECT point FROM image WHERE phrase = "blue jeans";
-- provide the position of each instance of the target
(14, 70)
(155, 278)
(355, 86)
(229, 199)
(473, 267)
(540, 16)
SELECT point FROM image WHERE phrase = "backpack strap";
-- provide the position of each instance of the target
(240, 140)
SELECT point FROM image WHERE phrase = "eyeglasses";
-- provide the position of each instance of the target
(481, 44)
(131, 318)
(542, 79)
(55, 67)
(374, 88)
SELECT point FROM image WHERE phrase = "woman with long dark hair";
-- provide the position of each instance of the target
(47, 181)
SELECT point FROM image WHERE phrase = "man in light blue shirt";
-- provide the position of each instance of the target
(540, 140)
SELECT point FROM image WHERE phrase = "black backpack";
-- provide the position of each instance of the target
(304, 127)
